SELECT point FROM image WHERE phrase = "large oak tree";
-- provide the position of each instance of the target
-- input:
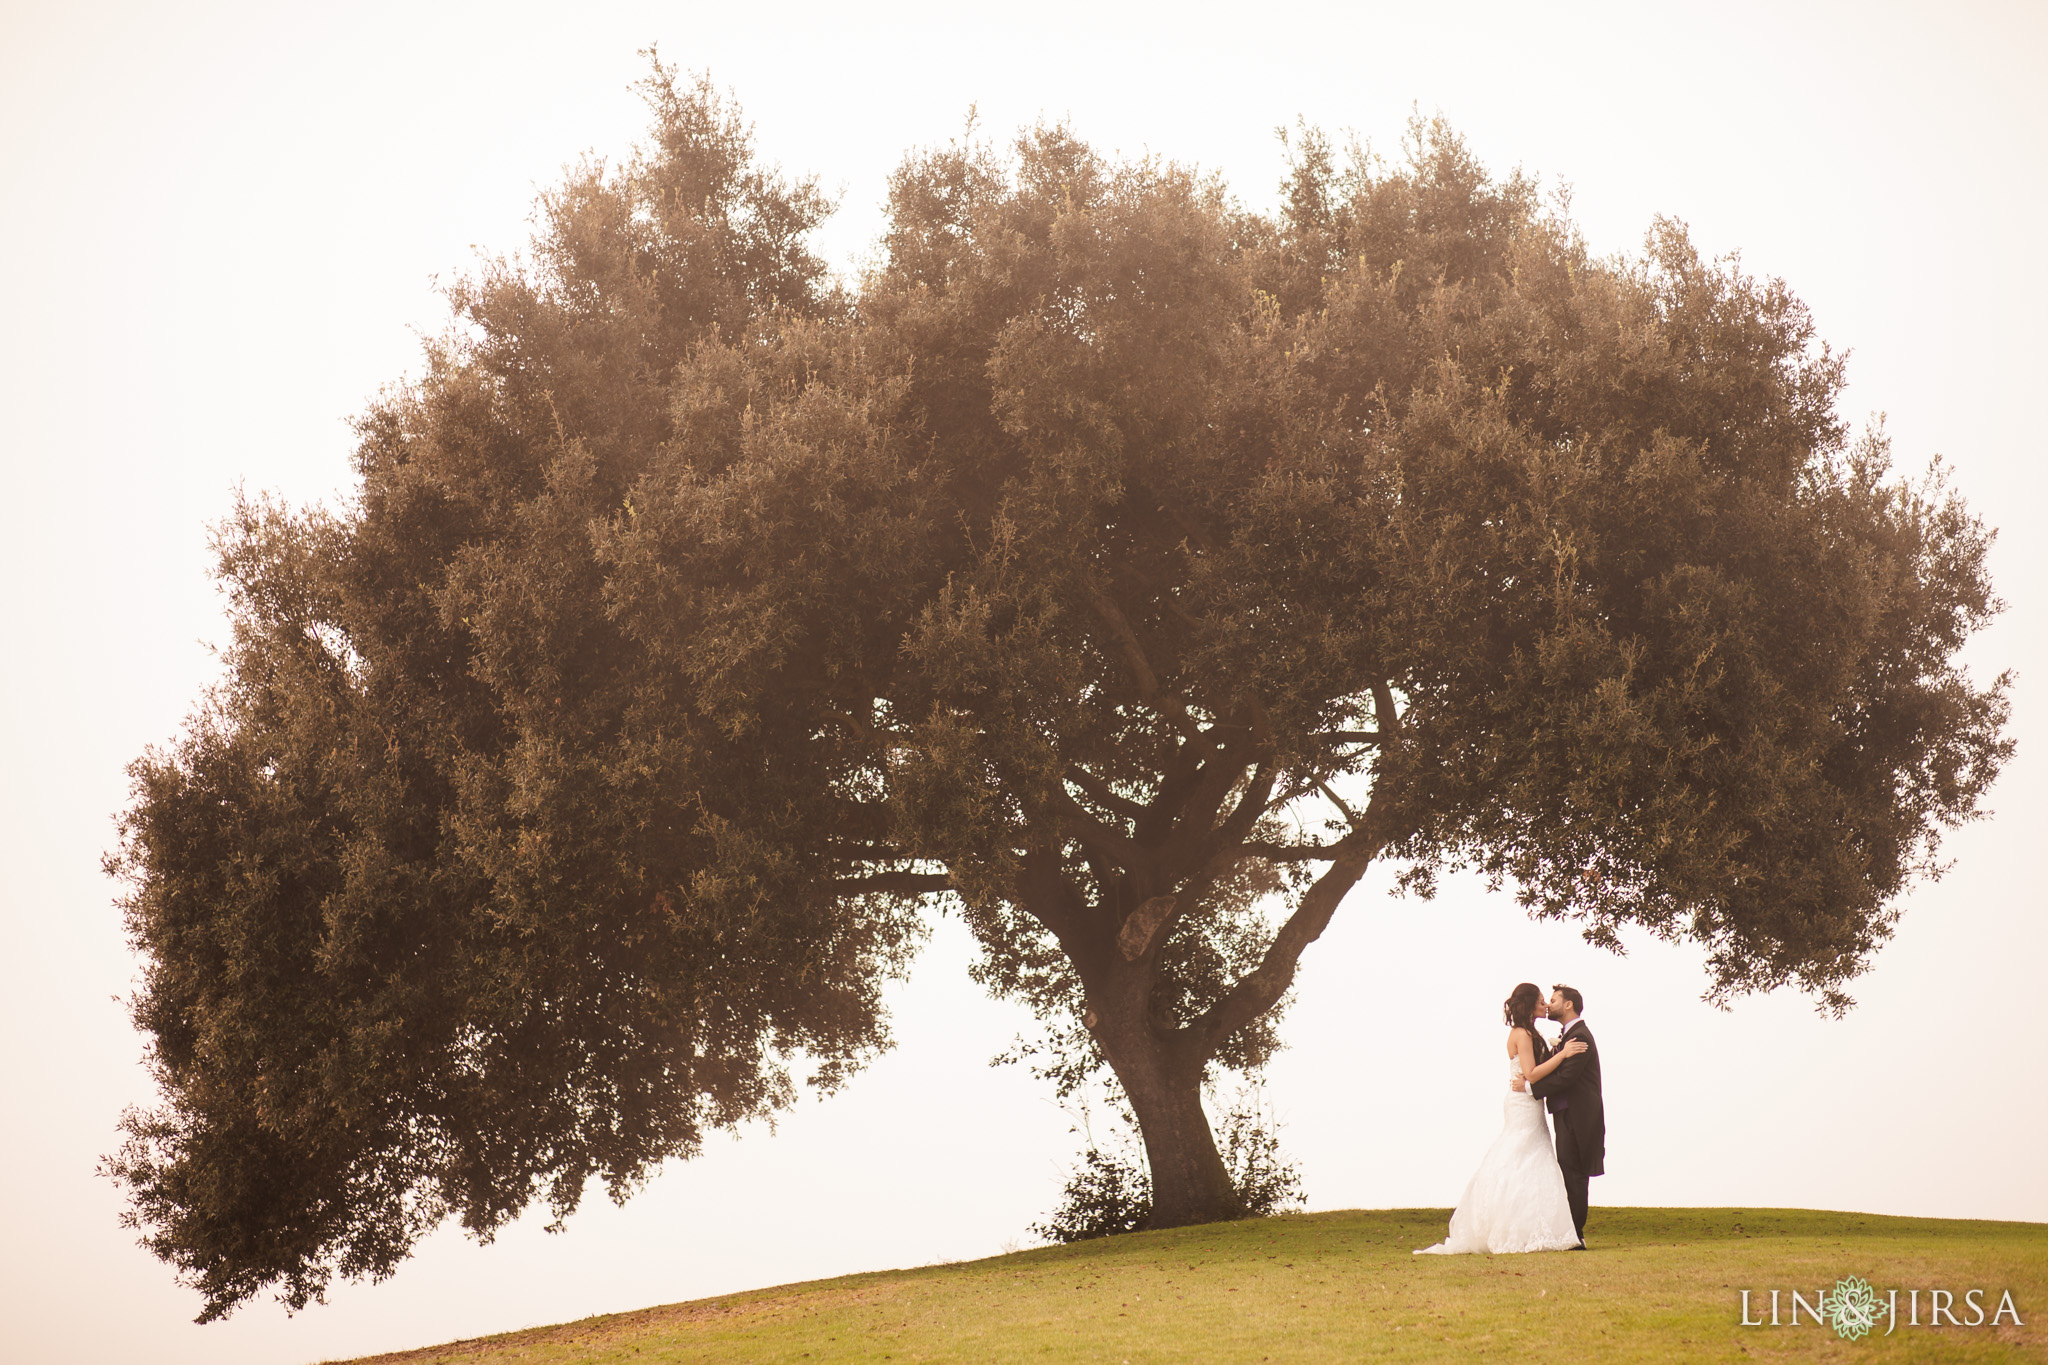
(1120, 568)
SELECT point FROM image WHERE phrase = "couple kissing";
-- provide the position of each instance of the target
(1529, 1193)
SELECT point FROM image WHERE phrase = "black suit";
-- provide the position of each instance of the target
(1573, 1094)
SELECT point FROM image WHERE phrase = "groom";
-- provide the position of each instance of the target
(1573, 1093)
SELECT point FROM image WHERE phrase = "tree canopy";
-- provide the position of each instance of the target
(1117, 566)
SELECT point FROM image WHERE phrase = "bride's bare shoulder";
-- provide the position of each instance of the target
(1514, 1034)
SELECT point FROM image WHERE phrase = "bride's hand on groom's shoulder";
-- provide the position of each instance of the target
(1574, 1047)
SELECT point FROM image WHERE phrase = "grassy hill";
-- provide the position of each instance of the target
(1659, 1284)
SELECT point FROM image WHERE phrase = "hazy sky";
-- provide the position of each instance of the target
(221, 230)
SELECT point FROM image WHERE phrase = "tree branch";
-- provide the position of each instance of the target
(1195, 822)
(1101, 794)
(1293, 793)
(895, 883)
(1383, 709)
(848, 852)
(858, 723)
(1250, 807)
(1182, 777)
(1291, 853)
(1091, 831)
(1350, 815)
(1261, 988)
(1351, 736)
(1141, 929)
(1046, 895)
(1172, 707)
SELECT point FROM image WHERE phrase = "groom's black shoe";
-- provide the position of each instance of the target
(1580, 1247)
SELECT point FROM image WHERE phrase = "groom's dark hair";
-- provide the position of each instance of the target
(1578, 1002)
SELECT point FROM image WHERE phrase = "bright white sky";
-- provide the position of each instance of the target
(221, 228)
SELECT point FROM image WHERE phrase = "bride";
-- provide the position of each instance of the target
(1516, 1200)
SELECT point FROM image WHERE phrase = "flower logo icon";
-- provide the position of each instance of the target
(1852, 1307)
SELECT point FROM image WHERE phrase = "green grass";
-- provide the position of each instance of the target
(1659, 1284)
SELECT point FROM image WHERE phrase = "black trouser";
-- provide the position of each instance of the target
(1573, 1167)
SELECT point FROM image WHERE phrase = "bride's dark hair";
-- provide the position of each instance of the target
(1520, 1006)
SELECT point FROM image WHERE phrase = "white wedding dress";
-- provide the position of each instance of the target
(1515, 1201)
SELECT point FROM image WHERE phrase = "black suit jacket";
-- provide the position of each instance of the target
(1573, 1094)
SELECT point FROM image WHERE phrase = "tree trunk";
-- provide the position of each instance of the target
(1189, 1182)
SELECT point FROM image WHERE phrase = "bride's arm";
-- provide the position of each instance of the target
(1570, 1049)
